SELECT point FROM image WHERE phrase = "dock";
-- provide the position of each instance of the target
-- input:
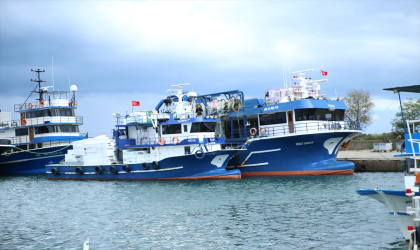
(370, 161)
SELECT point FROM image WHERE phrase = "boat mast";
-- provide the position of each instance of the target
(40, 91)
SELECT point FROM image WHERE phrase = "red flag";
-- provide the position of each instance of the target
(135, 103)
(324, 73)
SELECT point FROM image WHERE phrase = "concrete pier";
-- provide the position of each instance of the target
(369, 161)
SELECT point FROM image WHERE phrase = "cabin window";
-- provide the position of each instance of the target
(201, 127)
(69, 128)
(187, 150)
(50, 112)
(39, 145)
(171, 129)
(31, 146)
(21, 131)
(185, 128)
(319, 114)
(275, 118)
(45, 129)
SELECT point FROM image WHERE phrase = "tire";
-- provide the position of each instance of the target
(99, 169)
(55, 171)
(113, 170)
(79, 170)
(145, 166)
(155, 165)
(126, 168)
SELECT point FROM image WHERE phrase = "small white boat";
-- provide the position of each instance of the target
(404, 204)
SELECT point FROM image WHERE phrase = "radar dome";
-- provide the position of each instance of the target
(73, 88)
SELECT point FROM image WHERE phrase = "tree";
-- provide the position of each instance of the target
(360, 106)
(411, 109)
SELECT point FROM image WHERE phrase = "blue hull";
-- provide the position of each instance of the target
(186, 167)
(24, 163)
(294, 155)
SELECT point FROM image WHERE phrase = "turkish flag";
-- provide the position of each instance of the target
(135, 103)
(324, 73)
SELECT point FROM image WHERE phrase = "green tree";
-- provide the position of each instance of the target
(411, 109)
(360, 105)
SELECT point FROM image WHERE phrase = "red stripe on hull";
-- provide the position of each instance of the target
(225, 177)
(297, 173)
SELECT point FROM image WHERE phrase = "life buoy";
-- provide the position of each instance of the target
(30, 105)
(55, 171)
(155, 165)
(24, 122)
(99, 169)
(126, 168)
(113, 170)
(202, 152)
(72, 104)
(253, 131)
(41, 104)
(175, 140)
(79, 171)
(145, 166)
(162, 141)
(263, 131)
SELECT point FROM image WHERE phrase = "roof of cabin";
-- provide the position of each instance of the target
(412, 89)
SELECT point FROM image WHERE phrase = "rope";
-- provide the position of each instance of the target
(397, 163)
(23, 150)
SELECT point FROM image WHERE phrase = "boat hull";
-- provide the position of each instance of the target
(294, 155)
(185, 167)
(396, 202)
(25, 163)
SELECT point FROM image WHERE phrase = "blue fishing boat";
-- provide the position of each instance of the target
(44, 132)
(404, 204)
(293, 131)
(174, 143)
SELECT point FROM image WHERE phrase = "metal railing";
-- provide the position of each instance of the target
(36, 105)
(298, 128)
(169, 140)
(43, 121)
(26, 140)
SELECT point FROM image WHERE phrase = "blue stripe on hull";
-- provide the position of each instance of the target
(24, 163)
(175, 168)
(297, 155)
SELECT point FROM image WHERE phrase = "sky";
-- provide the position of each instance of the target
(119, 51)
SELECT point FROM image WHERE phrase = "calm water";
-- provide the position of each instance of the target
(321, 212)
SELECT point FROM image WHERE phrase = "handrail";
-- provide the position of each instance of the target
(36, 105)
(300, 128)
(45, 120)
(25, 139)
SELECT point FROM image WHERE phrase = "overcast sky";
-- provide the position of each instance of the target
(119, 51)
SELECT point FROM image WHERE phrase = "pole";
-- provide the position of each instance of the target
(402, 114)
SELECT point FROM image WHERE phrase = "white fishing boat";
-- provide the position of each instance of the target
(404, 204)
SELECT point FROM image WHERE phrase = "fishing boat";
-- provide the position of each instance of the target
(44, 132)
(176, 142)
(404, 204)
(293, 131)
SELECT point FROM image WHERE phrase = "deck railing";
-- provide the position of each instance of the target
(36, 105)
(297, 128)
(26, 140)
(43, 121)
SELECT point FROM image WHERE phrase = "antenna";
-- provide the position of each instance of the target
(52, 70)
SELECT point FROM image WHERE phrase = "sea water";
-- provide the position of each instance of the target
(321, 212)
